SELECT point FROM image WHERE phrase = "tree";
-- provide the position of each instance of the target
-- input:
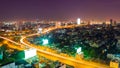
(3, 48)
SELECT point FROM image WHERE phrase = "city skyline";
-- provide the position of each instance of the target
(59, 34)
(59, 9)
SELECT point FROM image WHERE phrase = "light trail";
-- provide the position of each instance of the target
(10, 40)
(11, 45)
(70, 61)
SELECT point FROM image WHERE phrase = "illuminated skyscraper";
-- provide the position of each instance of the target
(78, 21)
(111, 22)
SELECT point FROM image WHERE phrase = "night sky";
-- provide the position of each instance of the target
(59, 9)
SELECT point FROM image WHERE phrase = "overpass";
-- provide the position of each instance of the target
(53, 56)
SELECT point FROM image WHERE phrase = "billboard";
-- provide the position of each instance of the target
(30, 53)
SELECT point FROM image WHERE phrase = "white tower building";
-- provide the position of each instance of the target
(78, 21)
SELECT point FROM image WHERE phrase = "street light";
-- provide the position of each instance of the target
(79, 53)
(79, 50)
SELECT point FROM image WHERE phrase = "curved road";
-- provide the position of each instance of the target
(66, 60)
(15, 47)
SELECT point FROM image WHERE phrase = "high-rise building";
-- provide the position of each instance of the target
(111, 22)
(114, 23)
(78, 21)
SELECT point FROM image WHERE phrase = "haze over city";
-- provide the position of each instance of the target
(59, 34)
(59, 9)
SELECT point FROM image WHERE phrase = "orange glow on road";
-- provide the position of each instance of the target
(52, 55)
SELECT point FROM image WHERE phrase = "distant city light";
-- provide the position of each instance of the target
(39, 30)
(45, 41)
(78, 21)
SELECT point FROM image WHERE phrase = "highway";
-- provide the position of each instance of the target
(67, 60)
(20, 47)
(10, 40)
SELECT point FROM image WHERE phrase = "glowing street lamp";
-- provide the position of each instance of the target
(45, 41)
(79, 50)
(79, 53)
